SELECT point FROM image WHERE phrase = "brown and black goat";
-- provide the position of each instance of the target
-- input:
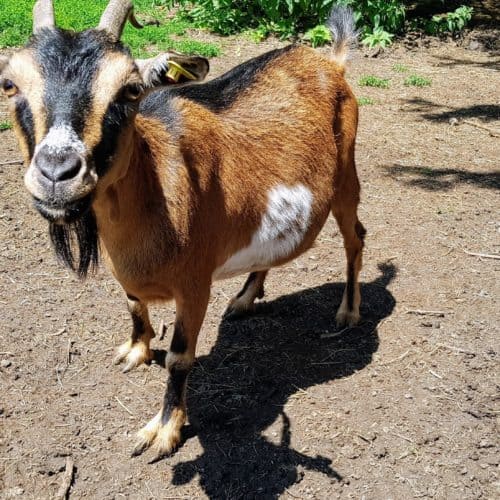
(181, 185)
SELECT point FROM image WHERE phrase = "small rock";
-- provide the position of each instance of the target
(474, 45)
(5, 363)
(453, 121)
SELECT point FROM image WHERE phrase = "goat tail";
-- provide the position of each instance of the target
(342, 27)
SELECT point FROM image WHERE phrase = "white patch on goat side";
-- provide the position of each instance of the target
(61, 138)
(281, 230)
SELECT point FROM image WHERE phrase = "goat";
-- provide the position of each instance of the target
(180, 185)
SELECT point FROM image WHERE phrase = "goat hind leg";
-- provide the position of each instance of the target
(252, 289)
(353, 233)
(136, 350)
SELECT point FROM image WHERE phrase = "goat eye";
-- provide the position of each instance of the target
(132, 92)
(9, 88)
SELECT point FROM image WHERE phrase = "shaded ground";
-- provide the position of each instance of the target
(405, 406)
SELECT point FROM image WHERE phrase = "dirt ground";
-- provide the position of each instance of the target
(405, 406)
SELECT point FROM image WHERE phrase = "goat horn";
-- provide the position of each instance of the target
(115, 16)
(43, 15)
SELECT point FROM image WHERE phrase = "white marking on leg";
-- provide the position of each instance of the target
(122, 351)
(281, 230)
(169, 435)
(147, 434)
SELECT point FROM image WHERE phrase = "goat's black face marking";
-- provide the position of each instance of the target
(116, 115)
(68, 62)
(24, 118)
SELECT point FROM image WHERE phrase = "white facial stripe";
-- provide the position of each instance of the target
(61, 138)
(281, 230)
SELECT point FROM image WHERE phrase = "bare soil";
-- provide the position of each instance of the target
(404, 406)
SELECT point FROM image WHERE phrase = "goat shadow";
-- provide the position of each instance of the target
(257, 363)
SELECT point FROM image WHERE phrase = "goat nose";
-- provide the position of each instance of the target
(59, 167)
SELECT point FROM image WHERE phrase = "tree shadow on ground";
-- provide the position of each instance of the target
(435, 112)
(442, 179)
(257, 364)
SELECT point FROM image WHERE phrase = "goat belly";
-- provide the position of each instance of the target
(282, 229)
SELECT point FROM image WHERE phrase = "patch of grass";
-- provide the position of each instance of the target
(5, 125)
(256, 35)
(374, 81)
(365, 101)
(16, 26)
(417, 81)
(400, 68)
(318, 36)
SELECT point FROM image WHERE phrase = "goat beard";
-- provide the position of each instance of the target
(76, 243)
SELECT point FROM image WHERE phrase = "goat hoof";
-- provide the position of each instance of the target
(133, 355)
(347, 318)
(237, 309)
(163, 439)
(166, 442)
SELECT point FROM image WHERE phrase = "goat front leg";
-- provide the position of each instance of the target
(136, 350)
(163, 432)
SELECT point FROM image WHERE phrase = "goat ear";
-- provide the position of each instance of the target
(171, 68)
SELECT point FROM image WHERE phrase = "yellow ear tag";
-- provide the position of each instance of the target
(175, 71)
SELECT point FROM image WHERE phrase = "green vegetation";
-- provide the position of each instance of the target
(377, 38)
(365, 101)
(378, 20)
(400, 68)
(318, 35)
(284, 18)
(374, 81)
(16, 26)
(5, 125)
(417, 81)
(450, 22)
